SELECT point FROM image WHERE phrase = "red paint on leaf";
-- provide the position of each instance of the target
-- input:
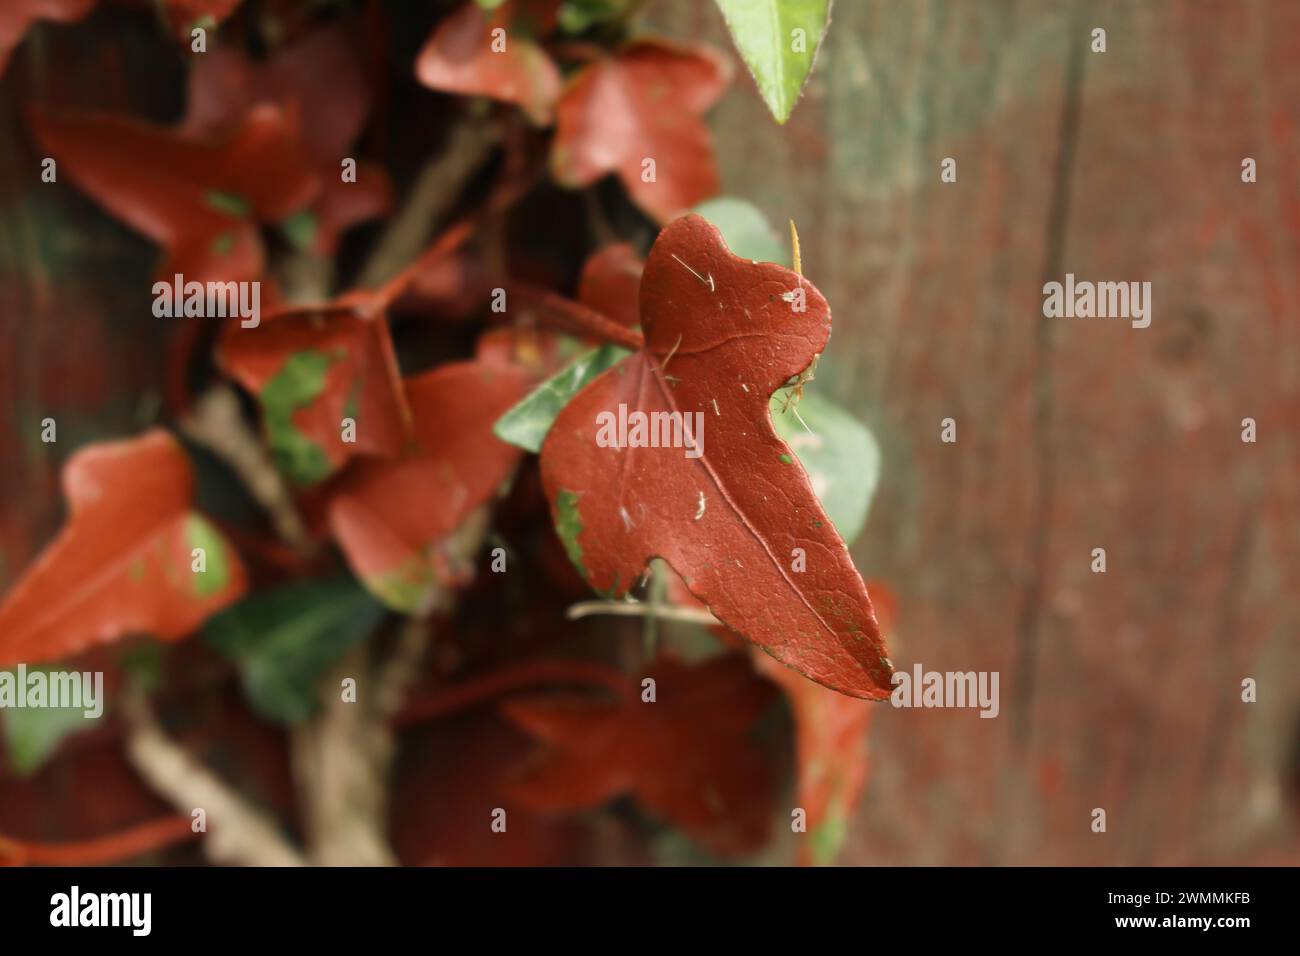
(392, 518)
(123, 563)
(645, 103)
(686, 757)
(201, 201)
(728, 520)
(459, 58)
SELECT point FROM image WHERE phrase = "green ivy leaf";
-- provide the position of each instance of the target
(778, 40)
(300, 229)
(837, 451)
(282, 641)
(527, 423)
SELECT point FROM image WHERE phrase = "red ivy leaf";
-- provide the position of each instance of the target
(687, 756)
(459, 58)
(449, 778)
(17, 16)
(202, 202)
(392, 518)
(538, 352)
(320, 76)
(729, 520)
(123, 564)
(313, 367)
(187, 14)
(830, 747)
(645, 103)
(611, 283)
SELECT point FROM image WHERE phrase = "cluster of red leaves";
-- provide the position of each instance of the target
(318, 76)
(201, 198)
(241, 158)
(710, 333)
(17, 16)
(642, 102)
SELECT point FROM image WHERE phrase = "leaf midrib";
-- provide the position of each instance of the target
(717, 482)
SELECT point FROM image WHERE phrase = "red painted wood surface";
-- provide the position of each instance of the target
(1121, 690)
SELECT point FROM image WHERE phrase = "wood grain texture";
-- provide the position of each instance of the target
(1121, 690)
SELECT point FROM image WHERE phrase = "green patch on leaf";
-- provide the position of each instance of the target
(575, 16)
(299, 383)
(746, 231)
(828, 839)
(33, 734)
(282, 641)
(300, 229)
(229, 203)
(405, 588)
(778, 40)
(199, 533)
(568, 525)
(837, 451)
(527, 423)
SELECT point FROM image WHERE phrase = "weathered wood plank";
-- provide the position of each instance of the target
(1121, 690)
